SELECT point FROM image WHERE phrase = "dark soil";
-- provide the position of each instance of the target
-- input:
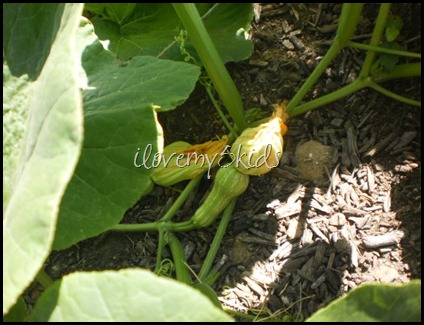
(307, 232)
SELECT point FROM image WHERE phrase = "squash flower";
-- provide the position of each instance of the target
(182, 161)
(257, 150)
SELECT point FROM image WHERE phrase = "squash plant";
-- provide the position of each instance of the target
(58, 78)
(79, 102)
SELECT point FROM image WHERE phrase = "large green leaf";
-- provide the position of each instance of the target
(375, 302)
(16, 91)
(151, 30)
(119, 116)
(18, 313)
(126, 296)
(51, 119)
(29, 30)
(118, 12)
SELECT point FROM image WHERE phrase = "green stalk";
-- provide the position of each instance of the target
(155, 226)
(219, 110)
(179, 226)
(347, 25)
(401, 71)
(349, 19)
(177, 251)
(216, 243)
(161, 245)
(384, 50)
(320, 68)
(406, 70)
(376, 37)
(393, 95)
(182, 198)
(335, 95)
(222, 81)
(44, 279)
(141, 227)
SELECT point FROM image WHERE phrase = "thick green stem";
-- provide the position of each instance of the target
(155, 226)
(180, 226)
(222, 81)
(406, 70)
(376, 37)
(349, 19)
(161, 245)
(134, 227)
(177, 251)
(216, 243)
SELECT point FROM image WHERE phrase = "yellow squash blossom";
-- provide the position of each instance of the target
(257, 150)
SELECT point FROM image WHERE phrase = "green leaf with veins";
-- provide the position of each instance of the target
(375, 302)
(119, 12)
(18, 313)
(28, 33)
(387, 61)
(152, 28)
(42, 135)
(120, 104)
(129, 295)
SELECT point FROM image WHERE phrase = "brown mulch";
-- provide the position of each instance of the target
(342, 209)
